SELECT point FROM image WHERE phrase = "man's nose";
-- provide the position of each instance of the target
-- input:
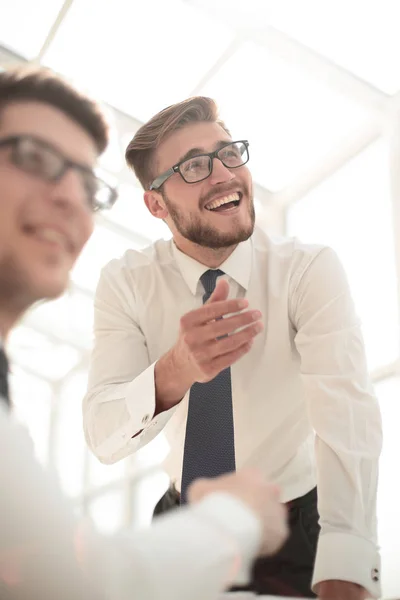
(220, 173)
(69, 192)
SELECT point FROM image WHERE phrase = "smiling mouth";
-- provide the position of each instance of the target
(51, 236)
(224, 204)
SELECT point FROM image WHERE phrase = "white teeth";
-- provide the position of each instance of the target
(216, 203)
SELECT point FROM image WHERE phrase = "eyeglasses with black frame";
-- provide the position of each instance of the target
(39, 158)
(199, 167)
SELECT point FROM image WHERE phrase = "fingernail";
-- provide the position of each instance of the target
(256, 315)
(242, 303)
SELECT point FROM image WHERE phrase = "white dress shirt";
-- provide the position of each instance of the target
(304, 408)
(44, 553)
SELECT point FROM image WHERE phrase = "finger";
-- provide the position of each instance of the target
(215, 329)
(220, 292)
(212, 311)
(206, 353)
(224, 361)
(233, 342)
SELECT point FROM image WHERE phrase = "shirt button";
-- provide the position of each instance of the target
(375, 575)
(145, 419)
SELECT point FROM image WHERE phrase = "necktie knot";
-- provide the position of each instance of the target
(209, 281)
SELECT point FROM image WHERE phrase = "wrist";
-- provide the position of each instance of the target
(171, 382)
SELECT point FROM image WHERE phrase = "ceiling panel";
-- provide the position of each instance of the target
(134, 61)
(358, 35)
(294, 120)
(24, 24)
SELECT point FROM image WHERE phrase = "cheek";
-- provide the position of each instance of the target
(244, 175)
(85, 231)
(10, 205)
(185, 195)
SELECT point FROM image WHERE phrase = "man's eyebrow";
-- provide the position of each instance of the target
(196, 151)
(190, 153)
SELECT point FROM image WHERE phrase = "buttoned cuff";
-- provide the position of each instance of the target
(140, 402)
(347, 557)
(140, 397)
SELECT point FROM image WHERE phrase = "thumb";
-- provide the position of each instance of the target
(221, 291)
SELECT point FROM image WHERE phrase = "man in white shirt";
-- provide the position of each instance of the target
(50, 139)
(281, 384)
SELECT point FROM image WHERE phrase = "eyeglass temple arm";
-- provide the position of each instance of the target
(157, 183)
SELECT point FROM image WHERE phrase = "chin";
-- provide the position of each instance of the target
(49, 288)
(244, 232)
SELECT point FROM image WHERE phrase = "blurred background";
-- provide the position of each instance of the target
(314, 85)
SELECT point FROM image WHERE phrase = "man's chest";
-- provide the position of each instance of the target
(273, 355)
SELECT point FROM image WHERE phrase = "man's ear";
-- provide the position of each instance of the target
(155, 203)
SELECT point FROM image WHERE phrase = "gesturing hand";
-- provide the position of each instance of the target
(213, 337)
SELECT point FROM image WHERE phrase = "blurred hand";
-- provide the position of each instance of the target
(261, 497)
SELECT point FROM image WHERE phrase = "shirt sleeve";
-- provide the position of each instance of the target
(190, 555)
(346, 419)
(118, 409)
(37, 557)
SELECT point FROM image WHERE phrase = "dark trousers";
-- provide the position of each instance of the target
(289, 572)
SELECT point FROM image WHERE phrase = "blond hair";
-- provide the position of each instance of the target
(140, 151)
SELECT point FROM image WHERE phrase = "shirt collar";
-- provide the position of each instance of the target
(237, 265)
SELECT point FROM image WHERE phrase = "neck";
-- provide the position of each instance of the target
(7, 321)
(210, 257)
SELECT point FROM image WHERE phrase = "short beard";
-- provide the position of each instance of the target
(192, 228)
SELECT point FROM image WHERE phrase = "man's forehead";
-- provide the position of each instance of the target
(195, 137)
(49, 124)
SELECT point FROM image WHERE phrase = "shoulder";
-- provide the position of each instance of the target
(122, 278)
(137, 266)
(289, 251)
(148, 258)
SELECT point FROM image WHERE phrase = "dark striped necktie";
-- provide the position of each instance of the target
(4, 393)
(209, 448)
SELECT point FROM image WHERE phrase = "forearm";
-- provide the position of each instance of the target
(345, 415)
(171, 382)
(347, 548)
